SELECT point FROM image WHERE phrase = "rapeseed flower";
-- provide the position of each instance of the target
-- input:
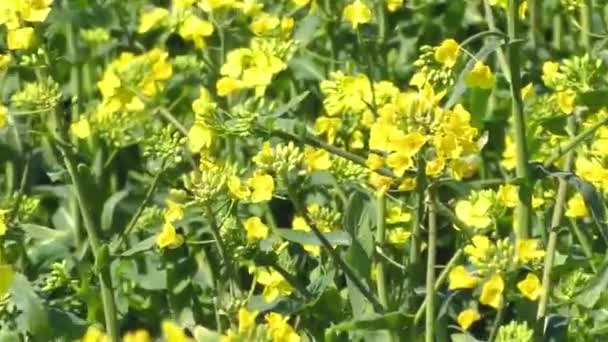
(357, 13)
(530, 287)
(460, 278)
(255, 228)
(492, 291)
(480, 77)
(467, 317)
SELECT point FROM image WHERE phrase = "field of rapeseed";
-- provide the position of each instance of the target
(303, 170)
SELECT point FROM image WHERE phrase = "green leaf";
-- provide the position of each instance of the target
(594, 100)
(291, 105)
(202, 334)
(555, 124)
(462, 338)
(337, 238)
(555, 328)
(34, 318)
(306, 29)
(390, 321)
(305, 68)
(141, 246)
(590, 296)
(109, 207)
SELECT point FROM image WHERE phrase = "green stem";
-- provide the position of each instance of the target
(430, 272)
(502, 60)
(533, 18)
(107, 293)
(586, 26)
(556, 219)
(557, 31)
(419, 214)
(293, 281)
(524, 205)
(380, 237)
(350, 274)
(439, 282)
(585, 244)
(497, 322)
(561, 150)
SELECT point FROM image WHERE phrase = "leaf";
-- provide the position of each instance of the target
(462, 338)
(555, 124)
(306, 29)
(594, 100)
(202, 334)
(291, 105)
(304, 68)
(34, 319)
(66, 325)
(42, 233)
(337, 238)
(109, 207)
(141, 246)
(589, 297)
(390, 321)
(555, 328)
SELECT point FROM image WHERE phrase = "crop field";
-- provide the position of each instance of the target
(303, 170)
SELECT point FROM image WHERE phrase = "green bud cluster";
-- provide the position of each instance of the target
(44, 94)
(165, 145)
(95, 36)
(515, 332)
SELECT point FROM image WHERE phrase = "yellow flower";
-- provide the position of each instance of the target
(169, 238)
(565, 101)
(174, 211)
(279, 329)
(527, 92)
(491, 293)
(460, 278)
(3, 116)
(447, 53)
(476, 213)
(94, 334)
(227, 85)
(262, 186)
(200, 137)
(393, 5)
(174, 333)
(550, 72)
(508, 195)
(300, 224)
(396, 215)
(6, 278)
(434, 167)
(264, 24)
(34, 10)
(316, 159)
(398, 236)
(196, 29)
(256, 230)
(3, 225)
(357, 13)
(577, 207)
(374, 161)
(246, 319)
(81, 129)
(4, 62)
(328, 126)
(274, 284)
(480, 249)
(408, 184)
(399, 162)
(480, 77)
(137, 336)
(467, 317)
(20, 39)
(527, 250)
(152, 19)
(300, 3)
(530, 287)
(408, 144)
(237, 189)
(379, 182)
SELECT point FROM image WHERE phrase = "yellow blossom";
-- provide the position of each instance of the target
(174, 211)
(480, 248)
(577, 207)
(550, 72)
(200, 137)
(480, 77)
(374, 161)
(169, 238)
(379, 182)
(137, 336)
(279, 328)
(238, 189)
(527, 250)
(3, 116)
(476, 213)
(34, 10)
(467, 317)
(530, 287)
(94, 334)
(357, 13)
(256, 229)
(246, 319)
(3, 225)
(565, 101)
(5, 60)
(174, 333)
(399, 162)
(81, 129)
(264, 24)
(300, 3)
(508, 195)
(447, 52)
(196, 29)
(393, 5)
(262, 186)
(316, 159)
(227, 85)
(408, 184)
(527, 92)
(20, 39)
(434, 167)
(6, 278)
(491, 293)
(299, 223)
(460, 278)
(398, 236)
(274, 284)
(152, 19)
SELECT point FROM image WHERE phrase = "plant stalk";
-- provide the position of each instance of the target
(380, 237)
(523, 211)
(430, 272)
